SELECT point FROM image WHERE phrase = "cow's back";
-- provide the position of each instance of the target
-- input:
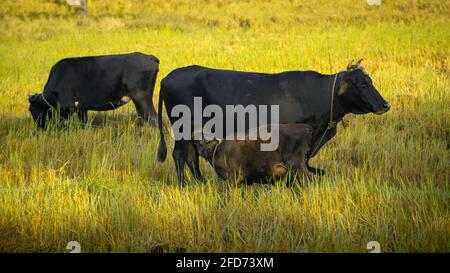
(226, 87)
(97, 80)
(97, 66)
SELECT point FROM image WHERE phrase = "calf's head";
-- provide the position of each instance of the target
(39, 109)
(205, 148)
(205, 145)
(357, 93)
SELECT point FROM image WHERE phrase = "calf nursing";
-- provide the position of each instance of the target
(243, 160)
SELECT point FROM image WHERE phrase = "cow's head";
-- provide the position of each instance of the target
(357, 93)
(205, 148)
(206, 144)
(39, 109)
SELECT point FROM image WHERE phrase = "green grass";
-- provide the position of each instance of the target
(387, 176)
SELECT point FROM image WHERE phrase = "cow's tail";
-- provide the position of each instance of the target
(162, 148)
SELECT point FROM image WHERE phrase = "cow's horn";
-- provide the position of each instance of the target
(359, 62)
(349, 66)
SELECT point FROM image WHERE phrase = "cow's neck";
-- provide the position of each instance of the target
(325, 124)
(323, 114)
(338, 110)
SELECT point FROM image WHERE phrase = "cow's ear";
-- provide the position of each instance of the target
(343, 88)
(358, 63)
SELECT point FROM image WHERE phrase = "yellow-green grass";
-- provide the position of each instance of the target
(387, 176)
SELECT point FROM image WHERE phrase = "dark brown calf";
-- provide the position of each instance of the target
(243, 160)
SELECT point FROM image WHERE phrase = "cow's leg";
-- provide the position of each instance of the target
(145, 110)
(152, 111)
(179, 156)
(82, 116)
(328, 135)
(193, 161)
(45, 118)
(142, 95)
(64, 115)
(313, 170)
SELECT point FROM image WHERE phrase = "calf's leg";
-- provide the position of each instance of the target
(297, 162)
(299, 170)
(302, 175)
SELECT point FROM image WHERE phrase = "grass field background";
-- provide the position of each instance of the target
(387, 176)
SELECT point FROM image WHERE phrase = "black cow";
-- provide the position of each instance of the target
(303, 97)
(98, 83)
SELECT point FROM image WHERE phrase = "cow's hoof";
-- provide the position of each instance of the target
(316, 171)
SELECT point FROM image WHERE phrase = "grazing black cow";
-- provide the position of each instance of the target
(243, 160)
(98, 83)
(303, 96)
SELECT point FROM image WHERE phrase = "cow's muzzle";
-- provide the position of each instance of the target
(384, 108)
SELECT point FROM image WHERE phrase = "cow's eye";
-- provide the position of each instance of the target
(364, 85)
